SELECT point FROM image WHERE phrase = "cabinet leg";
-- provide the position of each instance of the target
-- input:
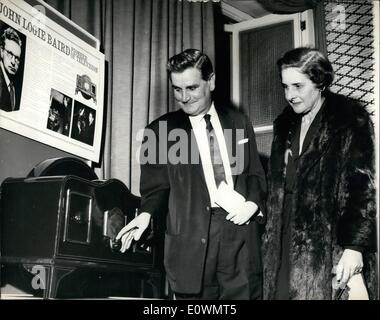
(56, 274)
(155, 281)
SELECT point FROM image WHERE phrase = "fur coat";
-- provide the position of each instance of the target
(335, 206)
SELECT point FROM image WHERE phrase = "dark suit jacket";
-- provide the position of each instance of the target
(5, 98)
(181, 190)
(90, 134)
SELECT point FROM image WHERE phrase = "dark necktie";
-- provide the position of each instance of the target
(12, 94)
(216, 157)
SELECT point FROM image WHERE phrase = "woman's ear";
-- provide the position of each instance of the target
(321, 88)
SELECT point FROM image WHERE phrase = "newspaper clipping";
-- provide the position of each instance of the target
(51, 82)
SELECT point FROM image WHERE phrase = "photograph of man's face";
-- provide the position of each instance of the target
(10, 55)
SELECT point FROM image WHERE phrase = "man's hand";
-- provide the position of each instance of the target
(349, 264)
(243, 213)
(133, 230)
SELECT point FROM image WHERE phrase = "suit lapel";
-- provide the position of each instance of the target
(227, 123)
(4, 94)
(193, 150)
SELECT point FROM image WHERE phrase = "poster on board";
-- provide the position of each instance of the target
(51, 81)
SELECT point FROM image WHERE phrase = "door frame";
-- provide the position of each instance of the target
(303, 37)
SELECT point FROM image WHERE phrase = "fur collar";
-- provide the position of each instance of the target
(339, 112)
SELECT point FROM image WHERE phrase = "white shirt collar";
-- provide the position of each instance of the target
(309, 117)
(197, 120)
(212, 111)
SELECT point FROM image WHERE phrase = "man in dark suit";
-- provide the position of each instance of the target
(10, 51)
(91, 128)
(186, 158)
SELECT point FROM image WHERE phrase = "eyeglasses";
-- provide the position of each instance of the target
(11, 55)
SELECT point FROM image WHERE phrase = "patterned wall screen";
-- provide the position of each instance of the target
(349, 39)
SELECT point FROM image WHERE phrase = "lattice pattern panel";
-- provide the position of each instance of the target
(349, 39)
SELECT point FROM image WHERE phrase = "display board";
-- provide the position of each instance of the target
(51, 78)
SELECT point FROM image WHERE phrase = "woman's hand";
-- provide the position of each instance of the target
(349, 264)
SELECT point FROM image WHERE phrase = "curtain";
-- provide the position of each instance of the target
(137, 38)
(288, 6)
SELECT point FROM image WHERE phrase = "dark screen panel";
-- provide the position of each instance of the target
(261, 94)
(264, 143)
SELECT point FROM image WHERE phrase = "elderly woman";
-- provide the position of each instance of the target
(321, 202)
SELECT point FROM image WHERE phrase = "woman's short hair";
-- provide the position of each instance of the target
(311, 62)
(191, 58)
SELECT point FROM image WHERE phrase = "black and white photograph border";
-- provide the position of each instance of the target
(352, 44)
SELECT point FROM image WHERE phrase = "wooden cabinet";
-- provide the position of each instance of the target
(57, 239)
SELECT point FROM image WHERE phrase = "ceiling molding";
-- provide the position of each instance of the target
(233, 13)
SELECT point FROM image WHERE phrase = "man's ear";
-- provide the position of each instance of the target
(211, 81)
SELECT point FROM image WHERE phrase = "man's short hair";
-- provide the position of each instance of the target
(191, 58)
(10, 34)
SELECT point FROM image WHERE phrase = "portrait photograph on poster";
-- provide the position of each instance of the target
(12, 53)
(83, 123)
(59, 119)
(46, 64)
